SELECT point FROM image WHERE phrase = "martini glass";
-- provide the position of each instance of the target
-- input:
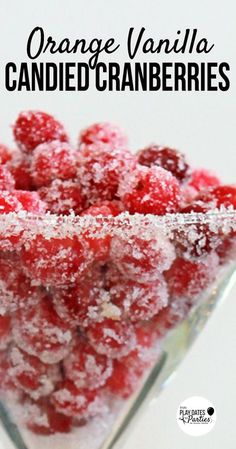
(174, 337)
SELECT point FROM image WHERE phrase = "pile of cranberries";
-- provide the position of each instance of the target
(80, 315)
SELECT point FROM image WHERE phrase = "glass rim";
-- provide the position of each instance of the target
(223, 220)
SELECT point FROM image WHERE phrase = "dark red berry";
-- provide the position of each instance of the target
(167, 158)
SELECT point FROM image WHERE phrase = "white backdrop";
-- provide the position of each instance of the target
(200, 124)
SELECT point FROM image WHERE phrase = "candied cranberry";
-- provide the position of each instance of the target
(142, 259)
(101, 168)
(104, 133)
(73, 401)
(34, 127)
(85, 367)
(5, 154)
(100, 246)
(104, 208)
(124, 379)
(15, 289)
(112, 337)
(39, 331)
(196, 240)
(31, 375)
(139, 301)
(151, 190)
(216, 197)
(82, 303)
(63, 197)
(224, 195)
(55, 261)
(5, 331)
(20, 168)
(202, 179)
(128, 370)
(7, 181)
(165, 157)
(30, 201)
(53, 160)
(42, 418)
(9, 202)
(188, 279)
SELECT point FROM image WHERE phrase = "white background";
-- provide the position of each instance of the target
(200, 124)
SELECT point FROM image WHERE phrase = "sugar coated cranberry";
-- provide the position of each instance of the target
(39, 331)
(5, 154)
(20, 168)
(195, 241)
(224, 195)
(111, 337)
(73, 401)
(100, 246)
(9, 203)
(81, 303)
(101, 168)
(142, 259)
(128, 370)
(53, 160)
(165, 157)
(125, 377)
(151, 190)
(7, 181)
(15, 288)
(54, 261)
(214, 198)
(139, 301)
(189, 279)
(31, 375)
(34, 127)
(42, 418)
(63, 197)
(104, 133)
(30, 201)
(85, 367)
(202, 179)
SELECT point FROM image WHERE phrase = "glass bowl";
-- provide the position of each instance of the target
(160, 278)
